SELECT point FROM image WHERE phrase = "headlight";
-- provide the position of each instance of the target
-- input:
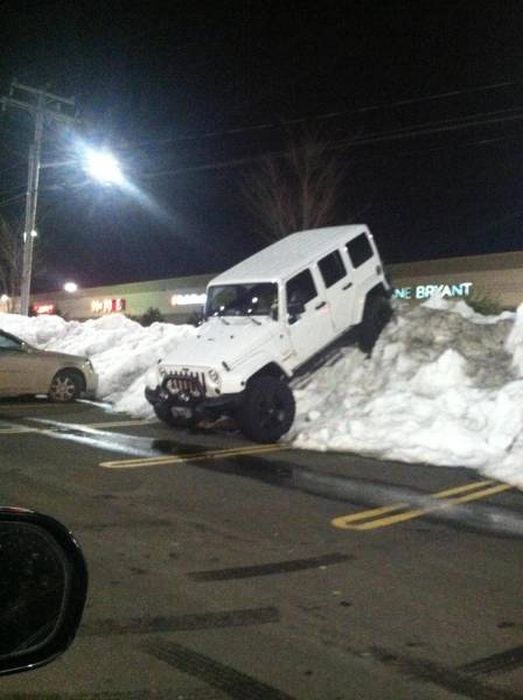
(214, 376)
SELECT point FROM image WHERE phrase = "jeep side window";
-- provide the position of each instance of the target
(301, 288)
(332, 268)
(359, 250)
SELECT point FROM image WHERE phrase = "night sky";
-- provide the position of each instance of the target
(424, 99)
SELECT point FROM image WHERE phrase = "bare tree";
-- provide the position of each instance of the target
(297, 189)
(11, 254)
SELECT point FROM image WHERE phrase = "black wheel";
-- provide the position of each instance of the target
(267, 410)
(376, 315)
(66, 386)
(164, 411)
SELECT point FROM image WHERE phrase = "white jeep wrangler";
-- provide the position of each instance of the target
(267, 318)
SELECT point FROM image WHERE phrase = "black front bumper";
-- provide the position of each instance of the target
(160, 395)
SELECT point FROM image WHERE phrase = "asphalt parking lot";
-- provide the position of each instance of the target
(220, 568)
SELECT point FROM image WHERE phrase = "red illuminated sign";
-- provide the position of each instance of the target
(44, 309)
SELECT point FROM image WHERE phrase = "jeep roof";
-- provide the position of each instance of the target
(289, 255)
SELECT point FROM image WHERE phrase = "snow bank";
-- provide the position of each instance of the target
(121, 350)
(444, 385)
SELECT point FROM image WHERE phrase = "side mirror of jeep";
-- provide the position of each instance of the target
(43, 586)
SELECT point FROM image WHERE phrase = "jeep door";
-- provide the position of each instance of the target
(339, 290)
(311, 329)
(361, 257)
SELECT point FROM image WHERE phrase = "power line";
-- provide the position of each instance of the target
(12, 190)
(424, 129)
(468, 144)
(322, 117)
(12, 199)
(10, 167)
(428, 128)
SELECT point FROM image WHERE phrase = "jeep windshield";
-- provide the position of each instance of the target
(256, 299)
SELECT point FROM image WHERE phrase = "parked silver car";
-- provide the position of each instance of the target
(25, 370)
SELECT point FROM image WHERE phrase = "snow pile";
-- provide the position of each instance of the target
(121, 350)
(443, 386)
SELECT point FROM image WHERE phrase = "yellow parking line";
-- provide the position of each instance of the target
(394, 519)
(192, 457)
(343, 520)
(479, 489)
(483, 494)
(473, 486)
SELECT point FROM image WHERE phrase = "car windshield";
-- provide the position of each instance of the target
(9, 342)
(256, 299)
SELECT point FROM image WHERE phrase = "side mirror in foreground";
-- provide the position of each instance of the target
(43, 587)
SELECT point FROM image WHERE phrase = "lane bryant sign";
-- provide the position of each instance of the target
(425, 291)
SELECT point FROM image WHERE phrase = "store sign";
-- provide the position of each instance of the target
(44, 309)
(107, 306)
(188, 299)
(425, 291)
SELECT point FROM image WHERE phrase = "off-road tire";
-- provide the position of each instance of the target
(66, 386)
(267, 409)
(376, 315)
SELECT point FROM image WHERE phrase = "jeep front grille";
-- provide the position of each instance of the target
(185, 384)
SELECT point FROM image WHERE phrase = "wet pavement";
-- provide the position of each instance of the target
(221, 569)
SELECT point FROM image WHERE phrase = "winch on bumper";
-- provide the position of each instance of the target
(189, 390)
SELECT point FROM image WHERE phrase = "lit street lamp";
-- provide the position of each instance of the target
(100, 165)
(70, 287)
(103, 166)
(46, 107)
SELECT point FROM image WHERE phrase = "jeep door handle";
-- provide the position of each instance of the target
(320, 305)
(347, 286)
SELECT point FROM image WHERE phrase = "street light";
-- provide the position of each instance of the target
(70, 287)
(103, 166)
(100, 165)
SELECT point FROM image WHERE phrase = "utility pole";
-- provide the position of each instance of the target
(43, 106)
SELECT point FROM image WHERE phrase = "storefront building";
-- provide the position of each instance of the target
(498, 276)
(177, 299)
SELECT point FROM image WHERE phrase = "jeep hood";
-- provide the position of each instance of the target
(222, 340)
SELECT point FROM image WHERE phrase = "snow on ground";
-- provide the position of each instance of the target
(444, 386)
